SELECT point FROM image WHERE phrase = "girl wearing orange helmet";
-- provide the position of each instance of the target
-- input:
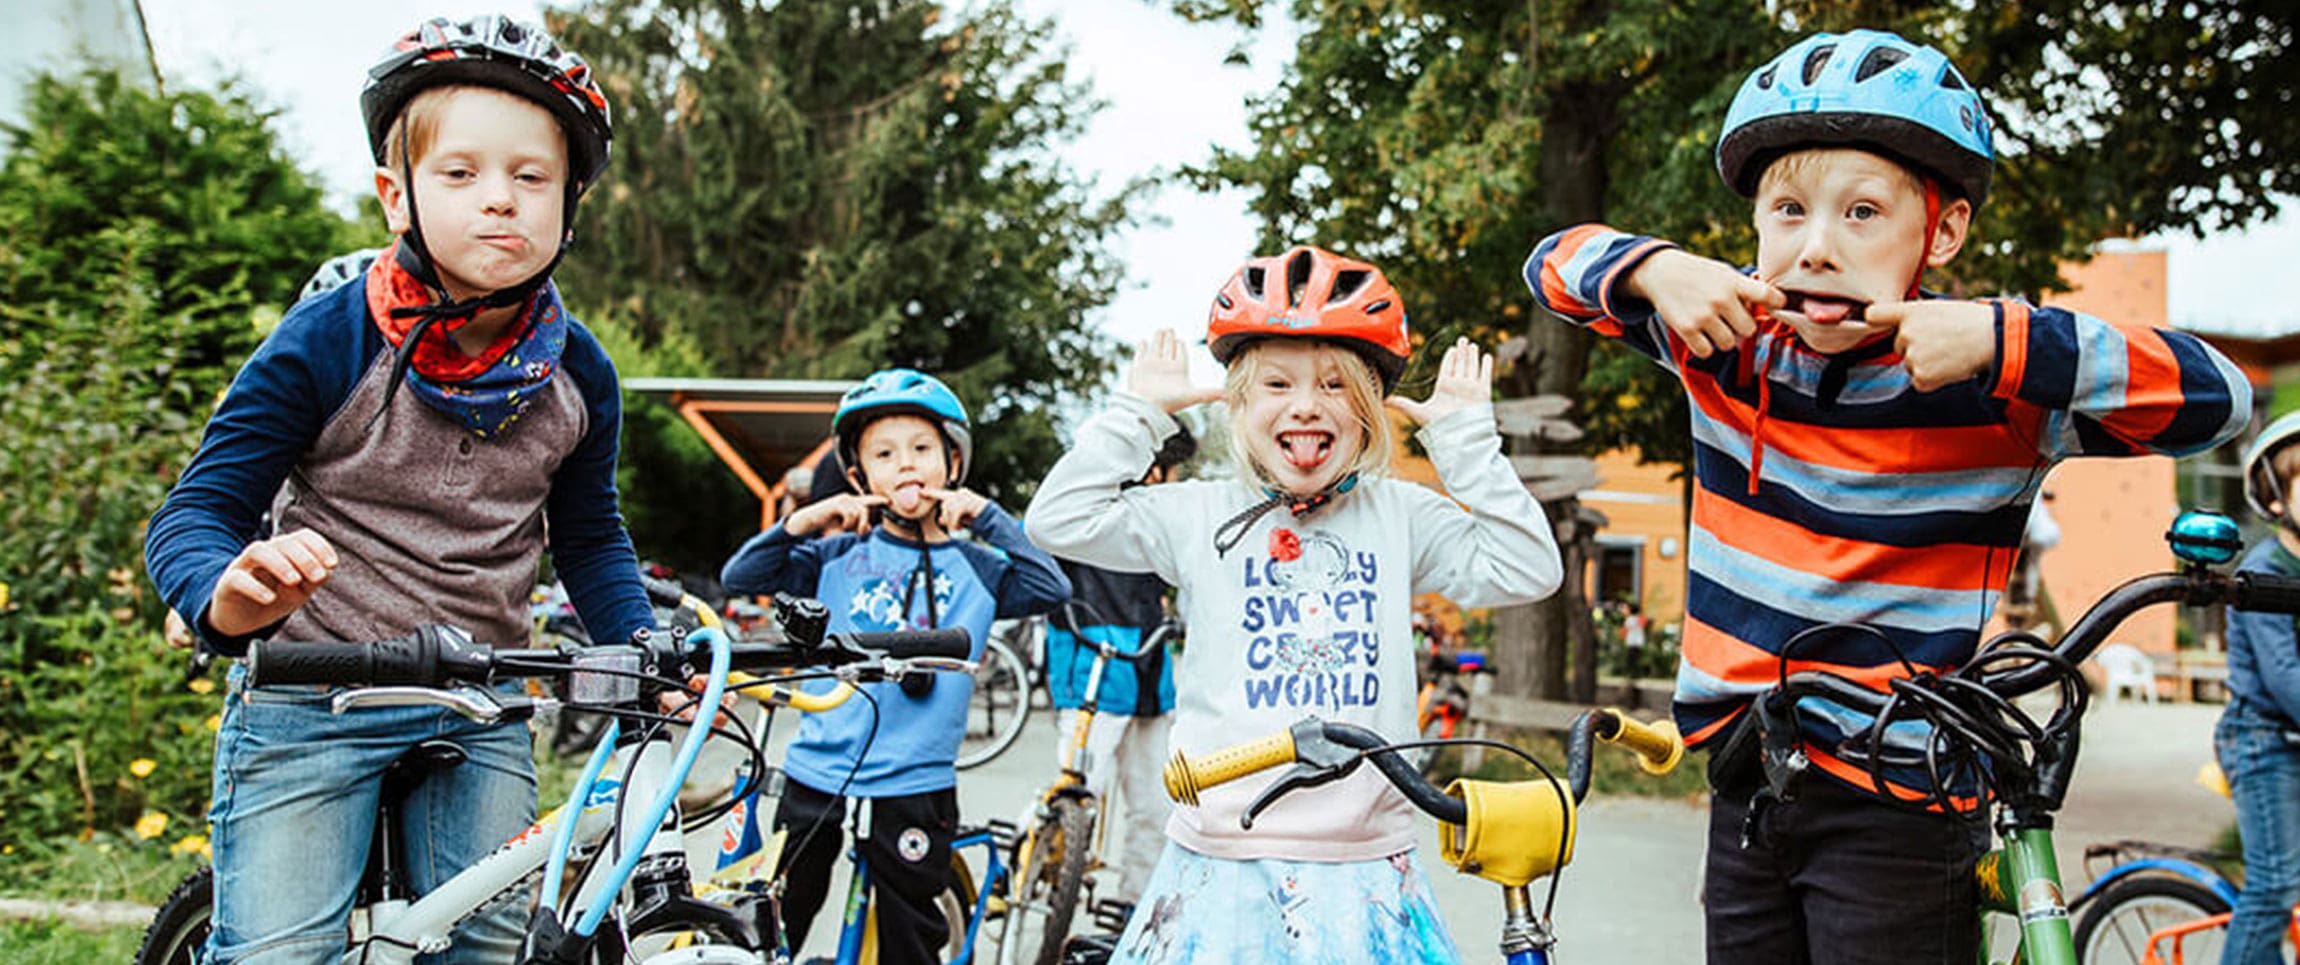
(1301, 612)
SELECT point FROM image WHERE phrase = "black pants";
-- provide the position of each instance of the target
(1836, 876)
(908, 849)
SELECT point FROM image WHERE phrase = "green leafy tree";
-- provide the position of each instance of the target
(819, 190)
(143, 237)
(1442, 139)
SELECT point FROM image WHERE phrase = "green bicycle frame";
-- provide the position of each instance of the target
(2023, 879)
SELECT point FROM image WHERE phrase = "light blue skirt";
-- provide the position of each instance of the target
(1202, 909)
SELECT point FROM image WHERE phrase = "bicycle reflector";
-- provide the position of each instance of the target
(2204, 538)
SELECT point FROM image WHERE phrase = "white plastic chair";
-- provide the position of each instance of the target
(2127, 667)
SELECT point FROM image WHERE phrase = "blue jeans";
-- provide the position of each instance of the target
(2262, 762)
(295, 798)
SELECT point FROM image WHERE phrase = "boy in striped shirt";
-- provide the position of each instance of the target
(1865, 452)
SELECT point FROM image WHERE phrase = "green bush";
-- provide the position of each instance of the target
(97, 426)
(144, 238)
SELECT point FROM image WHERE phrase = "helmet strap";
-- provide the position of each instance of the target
(1932, 228)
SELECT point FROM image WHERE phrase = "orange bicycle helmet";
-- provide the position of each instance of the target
(1312, 293)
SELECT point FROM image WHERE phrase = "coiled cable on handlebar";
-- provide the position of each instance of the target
(1977, 737)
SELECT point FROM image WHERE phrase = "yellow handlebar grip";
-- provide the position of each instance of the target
(1657, 744)
(791, 697)
(1185, 777)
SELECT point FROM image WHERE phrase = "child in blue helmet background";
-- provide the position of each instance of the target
(909, 547)
(1864, 451)
(2258, 739)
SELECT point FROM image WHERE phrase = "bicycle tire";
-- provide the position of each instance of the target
(998, 709)
(180, 927)
(956, 901)
(2114, 927)
(1049, 875)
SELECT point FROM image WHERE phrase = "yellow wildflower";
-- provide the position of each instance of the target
(192, 844)
(215, 722)
(151, 825)
(142, 766)
(202, 685)
(3, 596)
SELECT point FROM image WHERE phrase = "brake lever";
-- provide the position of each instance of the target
(473, 703)
(1296, 777)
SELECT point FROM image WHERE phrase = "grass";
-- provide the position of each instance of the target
(55, 943)
(104, 868)
(1613, 770)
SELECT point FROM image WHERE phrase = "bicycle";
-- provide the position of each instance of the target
(1000, 705)
(1442, 706)
(620, 892)
(1983, 752)
(2153, 895)
(1510, 833)
(1062, 843)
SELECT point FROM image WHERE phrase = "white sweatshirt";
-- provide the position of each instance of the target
(1326, 633)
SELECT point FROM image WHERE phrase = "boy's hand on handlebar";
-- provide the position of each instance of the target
(1705, 301)
(1161, 373)
(843, 513)
(269, 580)
(1465, 380)
(956, 508)
(1942, 342)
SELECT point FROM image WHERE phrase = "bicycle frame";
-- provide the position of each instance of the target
(858, 931)
(2022, 879)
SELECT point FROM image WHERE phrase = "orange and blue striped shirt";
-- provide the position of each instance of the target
(1873, 502)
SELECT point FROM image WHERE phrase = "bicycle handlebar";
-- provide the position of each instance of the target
(436, 656)
(1326, 746)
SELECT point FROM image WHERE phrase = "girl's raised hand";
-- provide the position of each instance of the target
(1465, 380)
(1161, 374)
(843, 513)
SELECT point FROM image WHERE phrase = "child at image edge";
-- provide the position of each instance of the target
(1863, 451)
(429, 427)
(2257, 741)
(1297, 583)
(886, 556)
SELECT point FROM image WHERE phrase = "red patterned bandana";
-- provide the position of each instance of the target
(390, 286)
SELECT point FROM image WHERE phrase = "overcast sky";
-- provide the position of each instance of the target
(1170, 95)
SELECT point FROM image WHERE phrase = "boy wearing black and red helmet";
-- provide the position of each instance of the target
(419, 436)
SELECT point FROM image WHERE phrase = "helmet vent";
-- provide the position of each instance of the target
(1347, 283)
(1951, 81)
(1254, 277)
(1877, 62)
(1225, 302)
(1765, 80)
(1378, 307)
(1816, 60)
(1298, 276)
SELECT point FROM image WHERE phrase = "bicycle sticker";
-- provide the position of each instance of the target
(2040, 901)
(911, 845)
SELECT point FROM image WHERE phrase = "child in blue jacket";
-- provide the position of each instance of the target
(888, 556)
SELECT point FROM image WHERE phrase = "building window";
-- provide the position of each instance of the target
(1620, 570)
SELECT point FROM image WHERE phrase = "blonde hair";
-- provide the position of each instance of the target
(1798, 161)
(1360, 386)
(420, 120)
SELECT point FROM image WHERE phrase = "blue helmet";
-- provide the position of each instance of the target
(1866, 89)
(903, 392)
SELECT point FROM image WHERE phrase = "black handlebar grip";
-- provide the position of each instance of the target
(663, 593)
(952, 642)
(343, 664)
(432, 656)
(2266, 593)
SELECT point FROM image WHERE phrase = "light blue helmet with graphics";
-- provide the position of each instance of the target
(2263, 485)
(904, 392)
(1867, 89)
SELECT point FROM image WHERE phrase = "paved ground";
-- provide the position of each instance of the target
(1631, 895)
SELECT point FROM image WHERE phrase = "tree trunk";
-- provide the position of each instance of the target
(1531, 643)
